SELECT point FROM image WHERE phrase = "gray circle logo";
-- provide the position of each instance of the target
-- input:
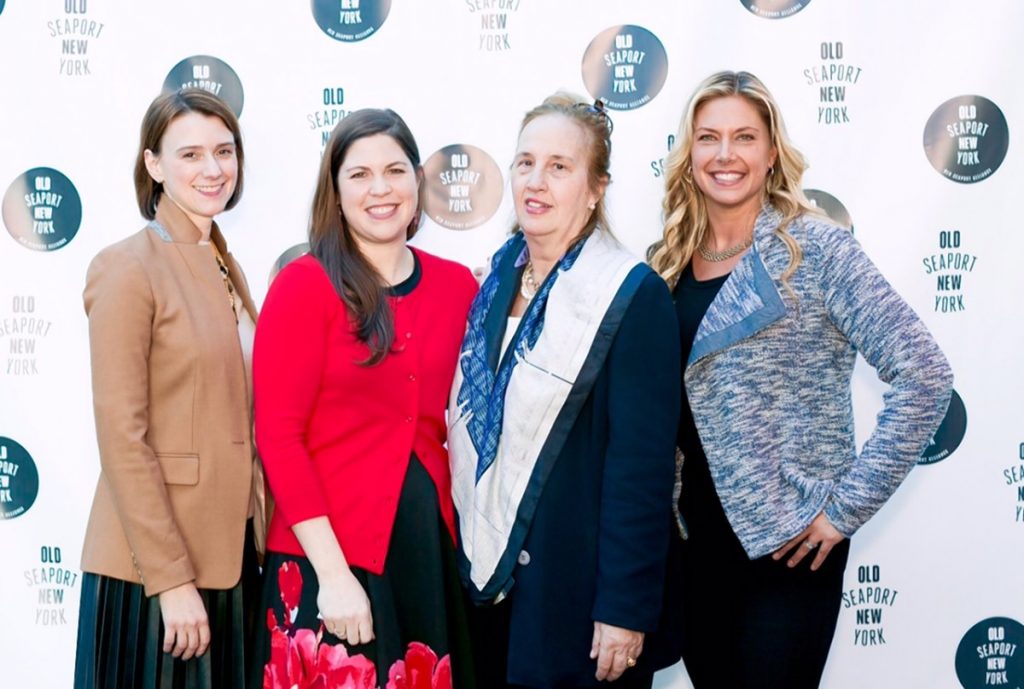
(625, 66)
(42, 209)
(990, 654)
(966, 139)
(775, 9)
(463, 187)
(832, 207)
(210, 74)
(350, 20)
(950, 434)
(19, 479)
(287, 257)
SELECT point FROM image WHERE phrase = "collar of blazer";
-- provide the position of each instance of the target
(748, 302)
(185, 236)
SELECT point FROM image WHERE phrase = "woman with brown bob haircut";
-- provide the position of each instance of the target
(169, 555)
(355, 352)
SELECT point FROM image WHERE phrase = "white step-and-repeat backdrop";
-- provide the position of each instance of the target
(908, 111)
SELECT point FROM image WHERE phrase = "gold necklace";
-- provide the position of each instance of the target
(528, 285)
(226, 275)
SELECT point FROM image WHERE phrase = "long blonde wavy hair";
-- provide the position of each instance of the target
(684, 210)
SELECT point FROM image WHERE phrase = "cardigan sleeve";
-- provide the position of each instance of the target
(289, 356)
(467, 288)
(880, 325)
(636, 494)
(121, 309)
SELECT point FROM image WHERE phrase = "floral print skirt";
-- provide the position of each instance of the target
(121, 635)
(417, 600)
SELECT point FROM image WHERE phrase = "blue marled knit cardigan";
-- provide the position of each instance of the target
(768, 381)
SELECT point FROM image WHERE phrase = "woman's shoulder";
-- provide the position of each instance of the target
(300, 298)
(132, 247)
(445, 271)
(820, 230)
(649, 305)
(438, 264)
(303, 272)
(651, 290)
(124, 260)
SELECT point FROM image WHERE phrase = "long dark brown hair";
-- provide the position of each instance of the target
(331, 242)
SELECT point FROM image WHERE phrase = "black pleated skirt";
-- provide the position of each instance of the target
(121, 635)
(417, 597)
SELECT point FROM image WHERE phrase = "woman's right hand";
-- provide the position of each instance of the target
(345, 609)
(186, 625)
(343, 604)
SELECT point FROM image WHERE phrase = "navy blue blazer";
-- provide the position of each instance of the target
(596, 550)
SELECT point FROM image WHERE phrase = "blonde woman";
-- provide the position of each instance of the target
(774, 302)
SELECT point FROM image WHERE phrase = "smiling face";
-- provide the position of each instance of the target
(197, 166)
(377, 186)
(731, 153)
(550, 180)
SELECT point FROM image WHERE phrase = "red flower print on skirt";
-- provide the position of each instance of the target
(299, 659)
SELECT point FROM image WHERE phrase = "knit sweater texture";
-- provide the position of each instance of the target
(769, 379)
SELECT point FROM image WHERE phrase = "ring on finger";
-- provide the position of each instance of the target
(809, 545)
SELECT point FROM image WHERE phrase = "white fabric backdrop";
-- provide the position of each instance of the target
(948, 547)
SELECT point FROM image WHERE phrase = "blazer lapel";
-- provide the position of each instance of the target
(748, 301)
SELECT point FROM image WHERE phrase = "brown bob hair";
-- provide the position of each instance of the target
(161, 112)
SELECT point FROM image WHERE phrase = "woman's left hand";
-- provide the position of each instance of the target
(819, 536)
(615, 649)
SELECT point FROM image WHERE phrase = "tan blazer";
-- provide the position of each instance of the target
(172, 411)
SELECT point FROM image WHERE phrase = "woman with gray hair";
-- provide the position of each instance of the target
(562, 422)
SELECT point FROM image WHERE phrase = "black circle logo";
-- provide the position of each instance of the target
(287, 257)
(832, 207)
(625, 66)
(966, 139)
(463, 187)
(350, 20)
(19, 479)
(210, 74)
(42, 209)
(775, 9)
(991, 654)
(950, 434)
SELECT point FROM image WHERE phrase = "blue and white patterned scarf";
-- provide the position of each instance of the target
(484, 390)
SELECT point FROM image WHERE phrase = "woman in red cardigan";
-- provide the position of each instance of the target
(355, 352)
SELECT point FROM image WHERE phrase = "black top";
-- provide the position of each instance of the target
(406, 286)
(698, 502)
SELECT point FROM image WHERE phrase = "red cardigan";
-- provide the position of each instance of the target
(336, 437)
